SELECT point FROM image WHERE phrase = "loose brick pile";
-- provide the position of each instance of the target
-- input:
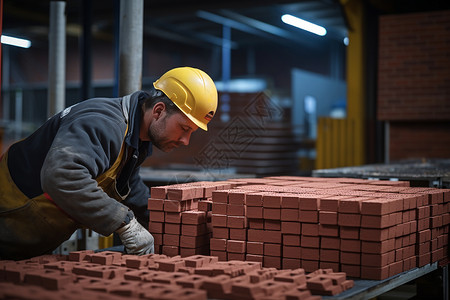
(366, 228)
(112, 275)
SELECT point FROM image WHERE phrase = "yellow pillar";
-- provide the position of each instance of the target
(356, 69)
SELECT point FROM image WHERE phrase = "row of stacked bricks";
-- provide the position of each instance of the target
(116, 276)
(368, 229)
(180, 217)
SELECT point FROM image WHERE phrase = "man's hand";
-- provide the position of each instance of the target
(136, 239)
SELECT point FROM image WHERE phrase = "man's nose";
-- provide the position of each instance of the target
(184, 139)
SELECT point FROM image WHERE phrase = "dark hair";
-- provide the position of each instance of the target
(156, 96)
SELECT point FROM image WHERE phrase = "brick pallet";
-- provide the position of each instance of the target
(366, 228)
(112, 275)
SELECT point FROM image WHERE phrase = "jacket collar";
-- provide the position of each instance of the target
(131, 108)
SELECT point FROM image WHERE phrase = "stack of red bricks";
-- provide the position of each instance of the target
(112, 275)
(368, 229)
(180, 217)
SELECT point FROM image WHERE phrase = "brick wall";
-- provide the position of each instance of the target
(414, 83)
(414, 67)
(419, 140)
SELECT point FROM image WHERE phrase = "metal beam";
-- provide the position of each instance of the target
(252, 26)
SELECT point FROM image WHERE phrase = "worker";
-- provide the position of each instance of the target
(80, 169)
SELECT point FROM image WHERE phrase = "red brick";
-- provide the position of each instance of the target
(255, 199)
(218, 244)
(329, 255)
(255, 248)
(308, 202)
(330, 203)
(330, 243)
(194, 241)
(172, 228)
(236, 210)
(371, 221)
(219, 208)
(171, 217)
(351, 205)
(290, 227)
(346, 232)
(335, 266)
(310, 253)
(350, 258)
(352, 220)
(310, 265)
(292, 252)
(238, 222)
(328, 217)
(155, 204)
(156, 216)
(254, 257)
(272, 225)
(255, 235)
(272, 262)
(272, 213)
(309, 216)
(377, 260)
(255, 223)
(378, 247)
(310, 241)
(310, 229)
(193, 217)
(374, 273)
(350, 245)
(221, 232)
(374, 235)
(271, 200)
(289, 214)
(219, 220)
(220, 196)
(238, 234)
(236, 246)
(254, 212)
(80, 255)
(171, 239)
(291, 240)
(351, 270)
(290, 263)
(181, 193)
(272, 236)
(236, 197)
(376, 207)
(159, 192)
(272, 249)
(156, 227)
(289, 200)
(328, 230)
(205, 205)
(194, 230)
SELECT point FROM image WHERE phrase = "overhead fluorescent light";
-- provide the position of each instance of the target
(346, 41)
(13, 41)
(302, 24)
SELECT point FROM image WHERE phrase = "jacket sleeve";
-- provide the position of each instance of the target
(85, 146)
(137, 200)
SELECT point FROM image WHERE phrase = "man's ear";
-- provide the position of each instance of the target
(158, 109)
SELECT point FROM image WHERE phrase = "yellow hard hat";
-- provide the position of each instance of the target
(192, 91)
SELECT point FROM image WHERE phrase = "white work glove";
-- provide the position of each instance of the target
(136, 239)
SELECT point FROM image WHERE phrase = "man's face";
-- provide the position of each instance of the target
(165, 131)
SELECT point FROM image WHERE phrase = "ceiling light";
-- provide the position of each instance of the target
(346, 41)
(18, 42)
(302, 24)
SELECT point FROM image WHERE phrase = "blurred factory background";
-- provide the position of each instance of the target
(375, 88)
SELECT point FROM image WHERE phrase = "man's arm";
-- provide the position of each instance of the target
(85, 147)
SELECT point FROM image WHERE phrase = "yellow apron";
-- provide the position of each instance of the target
(31, 227)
